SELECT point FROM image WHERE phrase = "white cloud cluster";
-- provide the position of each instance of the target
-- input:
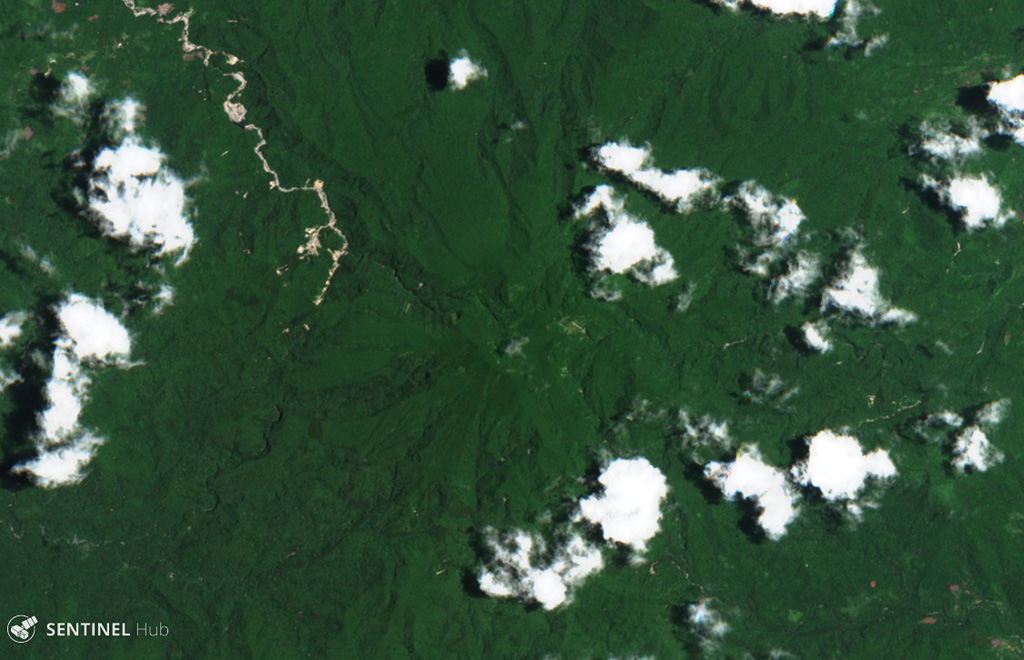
(978, 203)
(680, 189)
(621, 242)
(134, 196)
(972, 449)
(750, 477)
(90, 337)
(463, 70)
(775, 220)
(522, 568)
(1007, 96)
(820, 8)
(837, 466)
(856, 291)
(629, 508)
(776, 224)
(525, 567)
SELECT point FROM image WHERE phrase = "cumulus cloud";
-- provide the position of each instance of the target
(820, 8)
(978, 203)
(856, 291)
(629, 508)
(706, 621)
(941, 142)
(750, 477)
(90, 337)
(838, 467)
(1007, 97)
(972, 451)
(704, 432)
(463, 70)
(621, 242)
(815, 336)
(134, 196)
(680, 189)
(798, 278)
(73, 97)
(523, 568)
(10, 328)
(853, 12)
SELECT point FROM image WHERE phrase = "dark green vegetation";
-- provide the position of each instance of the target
(286, 480)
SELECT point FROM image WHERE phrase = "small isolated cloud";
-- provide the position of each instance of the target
(133, 195)
(73, 97)
(704, 432)
(750, 477)
(10, 328)
(1007, 97)
(705, 621)
(815, 336)
(89, 337)
(820, 8)
(463, 70)
(524, 568)
(621, 242)
(972, 451)
(856, 291)
(680, 189)
(629, 508)
(838, 467)
(978, 203)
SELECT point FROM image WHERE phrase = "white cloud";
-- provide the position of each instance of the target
(10, 328)
(941, 142)
(88, 334)
(464, 70)
(73, 97)
(816, 336)
(856, 291)
(64, 464)
(134, 196)
(93, 332)
(704, 432)
(681, 189)
(629, 508)
(522, 568)
(750, 477)
(978, 202)
(853, 12)
(819, 8)
(972, 450)
(775, 220)
(796, 282)
(1008, 98)
(838, 467)
(620, 242)
(706, 621)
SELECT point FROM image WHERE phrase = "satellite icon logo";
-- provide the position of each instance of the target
(21, 629)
